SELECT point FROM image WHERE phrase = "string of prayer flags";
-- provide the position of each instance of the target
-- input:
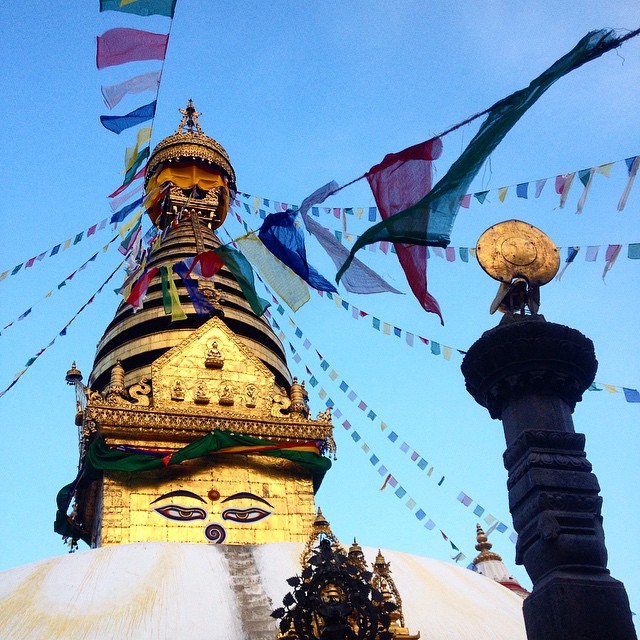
(282, 234)
(118, 124)
(113, 94)
(63, 246)
(141, 7)
(121, 45)
(632, 166)
(429, 222)
(63, 332)
(392, 436)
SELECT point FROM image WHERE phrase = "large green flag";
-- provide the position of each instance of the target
(429, 221)
(140, 7)
(243, 273)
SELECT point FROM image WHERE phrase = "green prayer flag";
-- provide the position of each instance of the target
(430, 220)
(633, 253)
(143, 154)
(141, 7)
(243, 273)
(166, 295)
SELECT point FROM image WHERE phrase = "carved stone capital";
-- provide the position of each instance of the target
(528, 356)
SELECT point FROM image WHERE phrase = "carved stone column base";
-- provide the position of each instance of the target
(578, 608)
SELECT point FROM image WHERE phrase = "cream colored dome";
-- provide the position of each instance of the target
(171, 590)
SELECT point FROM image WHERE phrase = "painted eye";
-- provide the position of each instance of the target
(252, 514)
(183, 514)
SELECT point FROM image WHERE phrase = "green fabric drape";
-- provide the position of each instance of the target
(101, 457)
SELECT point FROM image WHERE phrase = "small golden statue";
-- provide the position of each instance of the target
(214, 358)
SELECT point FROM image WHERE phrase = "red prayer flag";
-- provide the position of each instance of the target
(206, 264)
(118, 46)
(139, 289)
(397, 183)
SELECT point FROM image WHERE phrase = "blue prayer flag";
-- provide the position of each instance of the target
(521, 190)
(118, 124)
(282, 234)
(121, 214)
(631, 395)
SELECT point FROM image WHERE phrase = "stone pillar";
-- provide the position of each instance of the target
(530, 374)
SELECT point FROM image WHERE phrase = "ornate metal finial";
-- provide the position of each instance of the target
(331, 601)
(73, 375)
(522, 259)
(299, 397)
(321, 530)
(356, 557)
(189, 119)
(484, 547)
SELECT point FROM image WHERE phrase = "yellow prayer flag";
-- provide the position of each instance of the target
(105, 248)
(49, 294)
(386, 328)
(127, 226)
(289, 287)
(333, 374)
(446, 353)
(131, 153)
(66, 245)
(3, 275)
(256, 204)
(472, 252)
(605, 169)
(359, 212)
(365, 447)
(322, 393)
(337, 301)
(177, 312)
(610, 388)
(383, 426)
(502, 193)
(430, 472)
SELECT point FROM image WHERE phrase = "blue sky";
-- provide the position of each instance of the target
(299, 94)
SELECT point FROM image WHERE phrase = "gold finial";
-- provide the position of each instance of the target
(356, 557)
(189, 119)
(522, 258)
(484, 547)
(321, 530)
(73, 375)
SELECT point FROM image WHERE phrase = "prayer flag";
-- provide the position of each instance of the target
(632, 166)
(522, 190)
(502, 193)
(119, 216)
(318, 196)
(540, 186)
(605, 169)
(131, 153)
(586, 177)
(481, 196)
(633, 252)
(397, 183)
(631, 395)
(430, 220)
(112, 94)
(282, 234)
(205, 265)
(139, 289)
(592, 253)
(121, 45)
(289, 286)
(141, 7)
(613, 251)
(118, 124)
(242, 272)
(201, 305)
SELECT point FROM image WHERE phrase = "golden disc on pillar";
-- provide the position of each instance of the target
(516, 249)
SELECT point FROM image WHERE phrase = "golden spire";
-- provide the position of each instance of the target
(484, 547)
(321, 529)
(189, 119)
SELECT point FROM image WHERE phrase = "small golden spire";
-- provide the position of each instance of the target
(73, 375)
(189, 119)
(484, 547)
(356, 557)
(320, 530)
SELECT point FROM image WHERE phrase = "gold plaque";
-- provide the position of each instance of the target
(516, 249)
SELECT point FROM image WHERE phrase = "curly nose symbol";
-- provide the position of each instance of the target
(215, 533)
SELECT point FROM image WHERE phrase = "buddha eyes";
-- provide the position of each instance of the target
(252, 514)
(183, 514)
(187, 514)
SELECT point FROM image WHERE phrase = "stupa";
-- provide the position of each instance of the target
(199, 463)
